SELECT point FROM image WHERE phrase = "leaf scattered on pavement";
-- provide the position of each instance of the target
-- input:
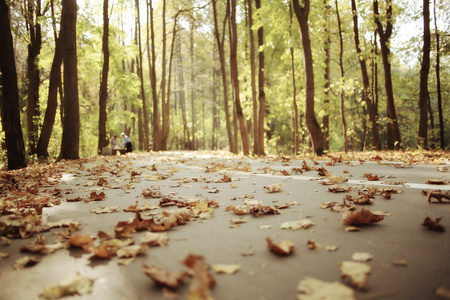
(77, 285)
(312, 288)
(358, 218)
(357, 272)
(286, 247)
(433, 224)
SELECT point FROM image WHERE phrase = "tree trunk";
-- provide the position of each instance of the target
(235, 79)
(52, 100)
(220, 46)
(294, 89)
(186, 132)
(253, 79)
(438, 82)
(192, 85)
(366, 84)
(71, 125)
(394, 138)
(261, 93)
(103, 100)
(313, 126)
(424, 72)
(341, 65)
(326, 77)
(10, 109)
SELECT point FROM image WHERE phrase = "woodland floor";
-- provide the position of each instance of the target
(203, 192)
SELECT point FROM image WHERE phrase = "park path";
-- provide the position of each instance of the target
(228, 227)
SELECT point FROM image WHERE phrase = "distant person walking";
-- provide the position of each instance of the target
(115, 144)
(127, 143)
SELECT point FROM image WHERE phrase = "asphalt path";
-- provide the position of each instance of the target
(409, 261)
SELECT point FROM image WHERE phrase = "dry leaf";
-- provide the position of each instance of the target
(106, 209)
(357, 272)
(24, 262)
(131, 251)
(273, 188)
(438, 195)
(443, 292)
(248, 252)
(77, 285)
(148, 193)
(299, 224)
(96, 197)
(313, 245)
(202, 280)
(352, 228)
(83, 241)
(315, 289)
(433, 224)
(331, 248)
(164, 278)
(400, 263)
(371, 177)
(286, 247)
(227, 269)
(238, 221)
(154, 239)
(362, 217)
(362, 256)
(436, 181)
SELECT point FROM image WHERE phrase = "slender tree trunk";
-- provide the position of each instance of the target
(192, 85)
(221, 49)
(33, 14)
(261, 82)
(253, 79)
(145, 125)
(102, 140)
(71, 110)
(373, 118)
(294, 89)
(9, 98)
(326, 77)
(424, 72)
(235, 79)
(313, 126)
(162, 145)
(186, 132)
(341, 65)
(394, 138)
(438, 81)
(52, 100)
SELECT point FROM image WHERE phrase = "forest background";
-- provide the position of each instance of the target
(252, 77)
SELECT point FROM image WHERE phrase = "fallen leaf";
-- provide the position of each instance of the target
(238, 221)
(273, 188)
(83, 241)
(286, 247)
(438, 195)
(25, 262)
(248, 252)
(149, 193)
(371, 177)
(299, 224)
(443, 291)
(331, 248)
(315, 289)
(362, 256)
(96, 197)
(433, 224)
(154, 239)
(77, 285)
(227, 269)
(313, 245)
(357, 272)
(362, 217)
(400, 263)
(131, 251)
(202, 280)
(106, 209)
(436, 181)
(164, 278)
(352, 228)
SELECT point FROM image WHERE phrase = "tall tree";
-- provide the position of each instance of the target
(52, 100)
(221, 48)
(261, 82)
(393, 138)
(70, 144)
(103, 99)
(326, 77)
(367, 95)
(235, 80)
(10, 109)
(424, 72)
(33, 15)
(438, 80)
(341, 65)
(302, 14)
(253, 78)
(294, 88)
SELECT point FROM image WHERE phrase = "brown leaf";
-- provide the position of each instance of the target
(362, 217)
(313, 245)
(273, 188)
(96, 197)
(83, 241)
(202, 280)
(148, 193)
(436, 181)
(286, 247)
(77, 285)
(164, 278)
(438, 195)
(311, 288)
(371, 177)
(227, 269)
(433, 224)
(25, 262)
(357, 272)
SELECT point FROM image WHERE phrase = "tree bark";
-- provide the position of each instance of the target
(424, 72)
(253, 79)
(326, 77)
(52, 100)
(33, 13)
(71, 124)
(438, 81)
(103, 99)
(373, 118)
(261, 82)
(313, 126)
(10, 109)
(394, 138)
(220, 46)
(235, 80)
(294, 89)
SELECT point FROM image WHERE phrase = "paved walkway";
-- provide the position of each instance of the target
(408, 261)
